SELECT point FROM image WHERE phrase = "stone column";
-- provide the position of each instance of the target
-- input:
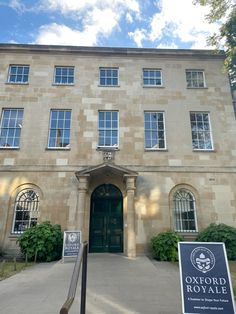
(131, 236)
(82, 189)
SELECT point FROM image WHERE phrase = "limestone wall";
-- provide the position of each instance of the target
(210, 174)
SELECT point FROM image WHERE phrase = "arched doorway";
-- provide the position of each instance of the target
(106, 220)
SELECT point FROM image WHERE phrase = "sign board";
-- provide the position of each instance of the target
(71, 243)
(205, 279)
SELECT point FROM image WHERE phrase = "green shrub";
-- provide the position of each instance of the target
(220, 233)
(165, 246)
(43, 240)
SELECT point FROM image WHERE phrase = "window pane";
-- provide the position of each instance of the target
(195, 78)
(108, 124)
(59, 132)
(13, 70)
(26, 210)
(115, 81)
(64, 71)
(18, 74)
(12, 78)
(102, 81)
(152, 77)
(108, 76)
(102, 73)
(184, 211)
(154, 130)
(201, 133)
(67, 124)
(57, 79)
(64, 75)
(71, 71)
(26, 70)
(11, 124)
(61, 114)
(70, 80)
(108, 115)
(64, 79)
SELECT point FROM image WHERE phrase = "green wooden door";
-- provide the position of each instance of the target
(106, 220)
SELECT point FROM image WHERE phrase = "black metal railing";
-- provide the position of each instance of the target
(81, 260)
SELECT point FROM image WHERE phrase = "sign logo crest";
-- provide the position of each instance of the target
(202, 259)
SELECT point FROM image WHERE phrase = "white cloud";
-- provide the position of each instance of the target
(96, 22)
(99, 18)
(138, 36)
(184, 21)
(129, 18)
(67, 6)
(101, 21)
(17, 5)
(55, 34)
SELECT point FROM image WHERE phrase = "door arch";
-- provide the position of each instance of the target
(106, 220)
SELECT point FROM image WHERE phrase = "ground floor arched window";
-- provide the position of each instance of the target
(26, 210)
(184, 211)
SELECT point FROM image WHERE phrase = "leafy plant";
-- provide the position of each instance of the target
(220, 233)
(165, 246)
(223, 12)
(42, 242)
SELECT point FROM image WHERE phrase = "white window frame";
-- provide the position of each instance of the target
(109, 77)
(155, 147)
(30, 211)
(59, 128)
(180, 207)
(22, 75)
(155, 77)
(202, 131)
(9, 129)
(104, 129)
(198, 80)
(67, 68)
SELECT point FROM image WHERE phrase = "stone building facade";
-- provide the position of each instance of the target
(119, 143)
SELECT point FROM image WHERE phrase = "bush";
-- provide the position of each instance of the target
(165, 246)
(220, 233)
(43, 240)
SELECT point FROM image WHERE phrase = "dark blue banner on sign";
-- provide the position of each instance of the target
(71, 244)
(205, 279)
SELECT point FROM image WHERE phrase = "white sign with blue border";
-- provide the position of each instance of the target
(71, 243)
(205, 279)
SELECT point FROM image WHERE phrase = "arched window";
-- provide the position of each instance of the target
(25, 211)
(184, 211)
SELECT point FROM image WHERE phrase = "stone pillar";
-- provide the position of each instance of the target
(82, 189)
(131, 236)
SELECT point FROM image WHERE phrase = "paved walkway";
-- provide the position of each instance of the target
(116, 285)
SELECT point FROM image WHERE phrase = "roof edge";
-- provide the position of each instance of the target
(109, 50)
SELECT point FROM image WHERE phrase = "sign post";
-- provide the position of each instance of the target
(205, 279)
(71, 243)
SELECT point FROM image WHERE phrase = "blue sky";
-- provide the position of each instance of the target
(117, 23)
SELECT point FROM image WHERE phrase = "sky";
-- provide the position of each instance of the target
(107, 23)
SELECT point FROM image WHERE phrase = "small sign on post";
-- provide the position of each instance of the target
(71, 243)
(205, 279)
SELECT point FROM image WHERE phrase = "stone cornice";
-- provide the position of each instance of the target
(133, 168)
(119, 51)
